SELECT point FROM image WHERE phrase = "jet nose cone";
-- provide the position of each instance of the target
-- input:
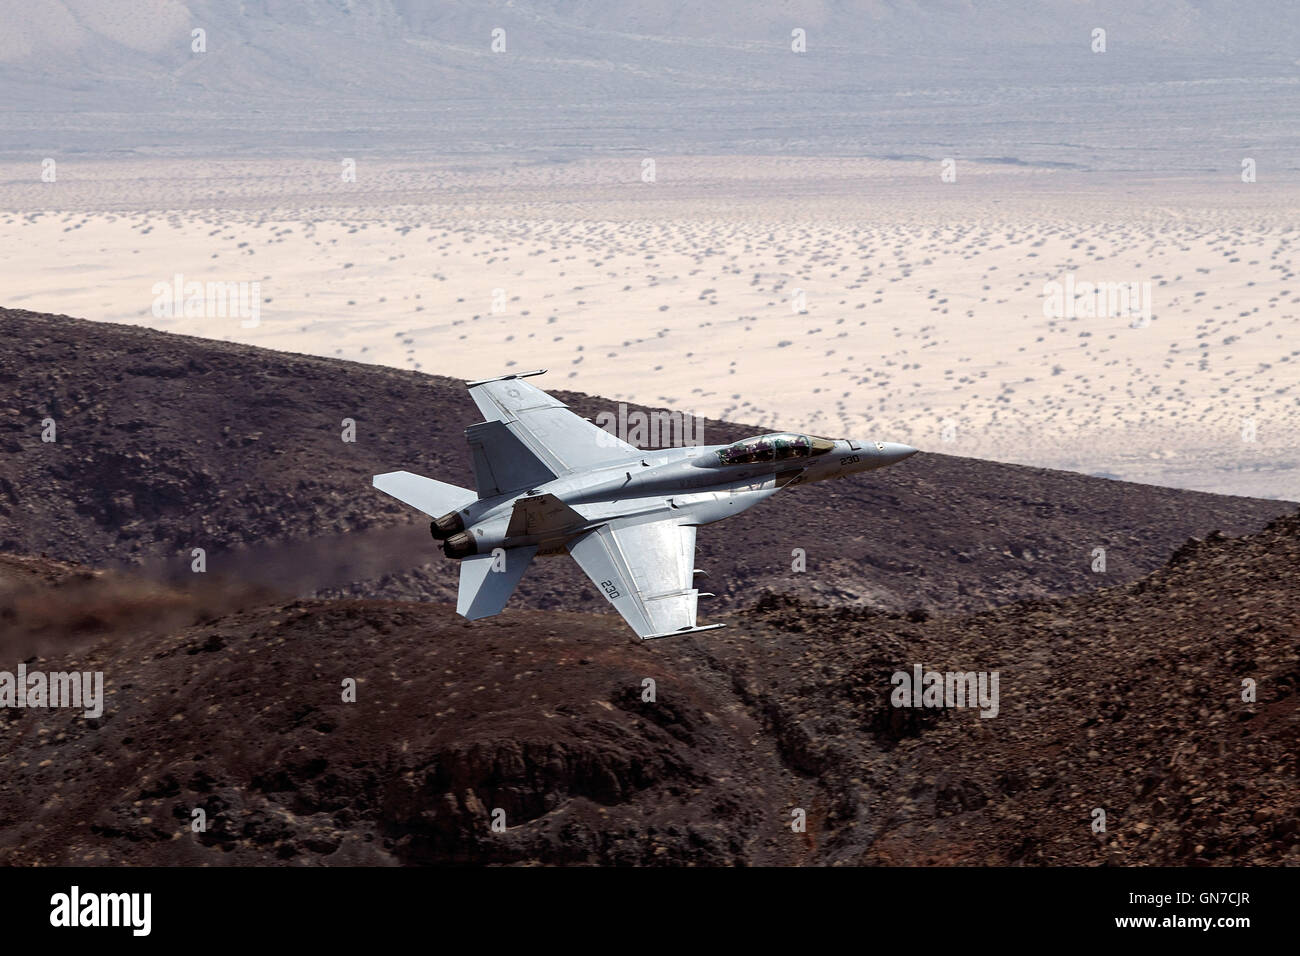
(895, 452)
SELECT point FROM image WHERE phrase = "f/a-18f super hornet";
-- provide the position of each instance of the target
(551, 483)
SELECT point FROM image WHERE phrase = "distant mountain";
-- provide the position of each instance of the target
(998, 78)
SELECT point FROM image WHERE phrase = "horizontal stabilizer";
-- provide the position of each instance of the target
(434, 498)
(488, 580)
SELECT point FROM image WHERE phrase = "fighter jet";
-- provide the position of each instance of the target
(549, 482)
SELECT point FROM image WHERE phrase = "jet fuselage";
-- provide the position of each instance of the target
(690, 483)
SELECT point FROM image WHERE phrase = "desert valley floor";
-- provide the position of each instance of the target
(840, 296)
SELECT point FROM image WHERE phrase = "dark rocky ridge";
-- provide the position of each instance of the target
(166, 443)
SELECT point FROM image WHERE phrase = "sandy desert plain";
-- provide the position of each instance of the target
(922, 315)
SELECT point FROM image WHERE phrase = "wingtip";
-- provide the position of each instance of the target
(506, 378)
(685, 630)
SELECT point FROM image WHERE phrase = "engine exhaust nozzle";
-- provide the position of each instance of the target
(444, 527)
(460, 545)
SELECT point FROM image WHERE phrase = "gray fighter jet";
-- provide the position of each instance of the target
(551, 483)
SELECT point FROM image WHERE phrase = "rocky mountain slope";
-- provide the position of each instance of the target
(1127, 700)
(225, 694)
(167, 443)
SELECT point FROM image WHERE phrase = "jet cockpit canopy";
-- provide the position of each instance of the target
(780, 446)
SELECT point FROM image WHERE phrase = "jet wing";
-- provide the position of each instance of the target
(557, 437)
(646, 571)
